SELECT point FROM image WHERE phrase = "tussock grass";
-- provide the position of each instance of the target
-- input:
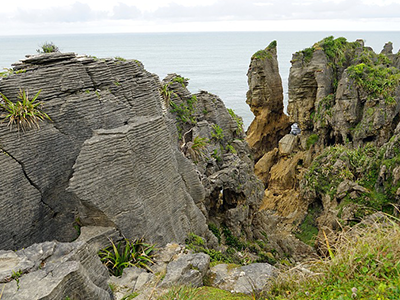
(365, 264)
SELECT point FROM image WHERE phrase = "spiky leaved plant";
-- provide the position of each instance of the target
(25, 113)
(127, 253)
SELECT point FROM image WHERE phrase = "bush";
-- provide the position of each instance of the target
(48, 47)
(312, 140)
(217, 133)
(24, 114)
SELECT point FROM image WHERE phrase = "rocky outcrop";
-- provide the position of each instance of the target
(265, 98)
(248, 279)
(212, 137)
(346, 101)
(122, 151)
(109, 156)
(54, 270)
(188, 269)
(106, 159)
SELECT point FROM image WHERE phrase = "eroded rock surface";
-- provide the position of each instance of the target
(56, 271)
(245, 279)
(212, 138)
(108, 157)
(345, 99)
(265, 98)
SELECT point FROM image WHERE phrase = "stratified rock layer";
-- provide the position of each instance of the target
(341, 165)
(57, 271)
(265, 98)
(107, 158)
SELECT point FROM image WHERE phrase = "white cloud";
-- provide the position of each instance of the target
(175, 15)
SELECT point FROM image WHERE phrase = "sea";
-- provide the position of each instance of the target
(216, 62)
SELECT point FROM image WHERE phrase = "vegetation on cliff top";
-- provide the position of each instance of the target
(266, 53)
(376, 79)
(48, 47)
(335, 49)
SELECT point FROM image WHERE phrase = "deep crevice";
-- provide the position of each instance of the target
(29, 180)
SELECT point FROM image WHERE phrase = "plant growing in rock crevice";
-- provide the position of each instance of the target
(127, 253)
(198, 146)
(238, 120)
(217, 132)
(376, 80)
(24, 114)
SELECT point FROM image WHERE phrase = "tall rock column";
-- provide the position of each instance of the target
(265, 98)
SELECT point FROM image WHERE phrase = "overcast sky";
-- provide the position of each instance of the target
(105, 16)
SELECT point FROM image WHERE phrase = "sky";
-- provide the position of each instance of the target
(21, 17)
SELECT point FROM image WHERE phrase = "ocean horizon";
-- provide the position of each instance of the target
(216, 62)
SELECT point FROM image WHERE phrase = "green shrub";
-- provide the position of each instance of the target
(48, 47)
(312, 140)
(262, 54)
(216, 156)
(127, 253)
(238, 120)
(193, 239)
(185, 111)
(25, 113)
(308, 54)
(217, 133)
(215, 230)
(181, 80)
(8, 71)
(230, 149)
(199, 144)
(272, 45)
(376, 80)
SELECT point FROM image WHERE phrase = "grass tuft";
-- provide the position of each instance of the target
(364, 264)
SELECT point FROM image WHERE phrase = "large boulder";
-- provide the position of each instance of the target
(56, 271)
(245, 279)
(188, 269)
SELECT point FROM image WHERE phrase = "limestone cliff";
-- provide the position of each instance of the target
(109, 157)
(265, 98)
(346, 100)
(212, 137)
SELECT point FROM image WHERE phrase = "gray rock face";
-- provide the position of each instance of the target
(229, 193)
(187, 270)
(333, 96)
(54, 271)
(108, 157)
(245, 279)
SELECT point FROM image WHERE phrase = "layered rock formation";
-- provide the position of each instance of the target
(346, 101)
(213, 138)
(109, 157)
(265, 98)
(54, 270)
(123, 151)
